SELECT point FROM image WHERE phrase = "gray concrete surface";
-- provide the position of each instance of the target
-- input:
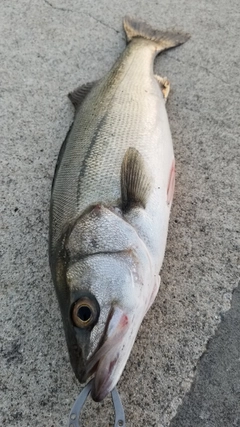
(214, 399)
(47, 49)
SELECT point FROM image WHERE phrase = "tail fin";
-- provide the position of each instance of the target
(163, 39)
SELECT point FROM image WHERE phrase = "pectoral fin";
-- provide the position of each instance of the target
(136, 181)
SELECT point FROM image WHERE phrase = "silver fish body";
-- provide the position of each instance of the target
(110, 206)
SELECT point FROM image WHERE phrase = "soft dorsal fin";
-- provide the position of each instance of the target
(136, 181)
(79, 94)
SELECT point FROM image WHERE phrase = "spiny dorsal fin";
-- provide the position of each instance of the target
(79, 94)
(136, 181)
(163, 39)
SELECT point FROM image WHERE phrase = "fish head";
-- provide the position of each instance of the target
(109, 297)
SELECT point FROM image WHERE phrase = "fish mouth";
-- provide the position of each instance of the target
(109, 360)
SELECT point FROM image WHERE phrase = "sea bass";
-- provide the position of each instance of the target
(110, 204)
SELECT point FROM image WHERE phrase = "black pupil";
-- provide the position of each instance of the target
(84, 313)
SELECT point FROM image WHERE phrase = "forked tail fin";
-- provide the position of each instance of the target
(163, 39)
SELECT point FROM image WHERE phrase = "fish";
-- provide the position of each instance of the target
(111, 198)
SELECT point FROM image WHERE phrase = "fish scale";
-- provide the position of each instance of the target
(111, 141)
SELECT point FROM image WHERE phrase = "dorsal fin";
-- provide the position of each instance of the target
(79, 94)
(136, 182)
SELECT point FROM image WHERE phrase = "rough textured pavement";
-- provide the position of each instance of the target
(214, 399)
(47, 49)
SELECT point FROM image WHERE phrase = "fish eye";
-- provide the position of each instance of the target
(85, 313)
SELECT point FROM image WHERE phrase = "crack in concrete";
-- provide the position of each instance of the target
(200, 66)
(103, 23)
(63, 9)
(216, 381)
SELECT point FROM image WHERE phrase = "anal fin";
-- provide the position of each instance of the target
(79, 94)
(164, 85)
(136, 181)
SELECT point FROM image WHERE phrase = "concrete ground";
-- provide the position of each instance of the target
(184, 369)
